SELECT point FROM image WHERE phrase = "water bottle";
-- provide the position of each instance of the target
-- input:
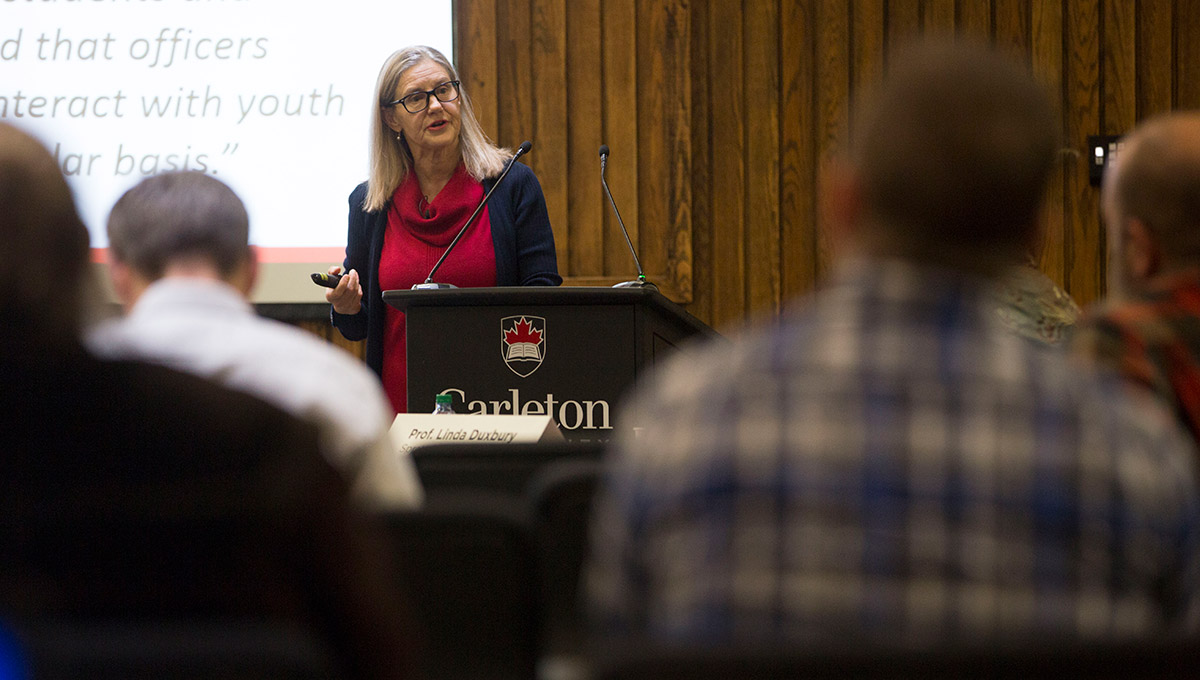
(443, 405)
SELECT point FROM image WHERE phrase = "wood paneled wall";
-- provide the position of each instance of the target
(721, 115)
(571, 76)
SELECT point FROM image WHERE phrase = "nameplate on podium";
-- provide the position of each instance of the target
(410, 430)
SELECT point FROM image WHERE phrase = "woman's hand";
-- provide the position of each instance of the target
(347, 297)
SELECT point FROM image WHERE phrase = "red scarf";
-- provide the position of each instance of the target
(435, 223)
(417, 235)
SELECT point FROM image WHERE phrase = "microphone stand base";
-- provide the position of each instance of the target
(636, 284)
(433, 286)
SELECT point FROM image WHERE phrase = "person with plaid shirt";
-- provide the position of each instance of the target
(891, 462)
(1150, 331)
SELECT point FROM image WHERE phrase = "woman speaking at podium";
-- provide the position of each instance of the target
(431, 165)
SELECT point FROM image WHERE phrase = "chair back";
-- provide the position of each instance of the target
(501, 468)
(181, 650)
(1046, 659)
(469, 563)
(560, 497)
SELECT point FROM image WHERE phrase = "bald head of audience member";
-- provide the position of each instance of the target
(179, 224)
(43, 242)
(949, 160)
(1152, 201)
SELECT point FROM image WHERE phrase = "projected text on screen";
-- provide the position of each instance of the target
(272, 96)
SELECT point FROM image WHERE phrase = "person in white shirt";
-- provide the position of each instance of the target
(181, 263)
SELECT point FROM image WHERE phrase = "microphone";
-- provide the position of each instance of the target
(641, 281)
(429, 284)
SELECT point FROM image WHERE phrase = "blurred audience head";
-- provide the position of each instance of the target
(949, 160)
(180, 223)
(43, 242)
(1151, 201)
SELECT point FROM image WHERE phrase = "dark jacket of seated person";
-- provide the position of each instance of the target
(130, 492)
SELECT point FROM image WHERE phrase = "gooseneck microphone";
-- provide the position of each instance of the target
(429, 284)
(641, 279)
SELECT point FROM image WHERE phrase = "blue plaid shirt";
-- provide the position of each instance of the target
(891, 461)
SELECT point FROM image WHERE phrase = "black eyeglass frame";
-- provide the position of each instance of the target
(428, 93)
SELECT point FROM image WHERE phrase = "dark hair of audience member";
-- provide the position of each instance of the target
(953, 153)
(43, 242)
(177, 216)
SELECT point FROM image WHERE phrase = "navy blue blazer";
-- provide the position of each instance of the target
(521, 234)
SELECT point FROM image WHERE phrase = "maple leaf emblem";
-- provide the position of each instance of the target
(523, 343)
(522, 331)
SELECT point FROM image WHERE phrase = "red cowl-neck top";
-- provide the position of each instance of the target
(417, 235)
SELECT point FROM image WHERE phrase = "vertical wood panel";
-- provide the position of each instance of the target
(621, 130)
(514, 72)
(833, 96)
(1084, 260)
(797, 173)
(1120, 66)
(937, 17)
(678, 131)
(701, 170)
(1046, 43)
(664, 194)
(1155, 51)
(651, 104)
(1011, 29)
(549, 98)
(1187, 60)
(867, 45)
(762, 158)
(475, 44)
(903, 22)
(974, 18)
(729, 177)
(585, 209)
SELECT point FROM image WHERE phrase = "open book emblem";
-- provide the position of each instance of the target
(523, 343)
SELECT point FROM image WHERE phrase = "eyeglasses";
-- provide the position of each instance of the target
(419, 101)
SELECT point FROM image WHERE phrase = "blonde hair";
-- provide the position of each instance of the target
(391, 159)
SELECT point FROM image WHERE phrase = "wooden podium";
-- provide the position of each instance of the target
(567, 352)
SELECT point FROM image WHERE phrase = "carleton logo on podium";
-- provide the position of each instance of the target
(523, 343)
